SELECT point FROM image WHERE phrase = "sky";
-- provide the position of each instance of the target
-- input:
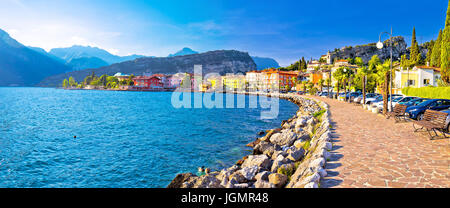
(284, 30)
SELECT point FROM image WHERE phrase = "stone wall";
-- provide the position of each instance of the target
(293, 156)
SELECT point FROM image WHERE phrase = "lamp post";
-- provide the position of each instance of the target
(380, 46)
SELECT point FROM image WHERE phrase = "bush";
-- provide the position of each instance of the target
(428, 92)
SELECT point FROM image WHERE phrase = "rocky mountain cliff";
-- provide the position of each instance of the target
(221, 61)
(367, 51)
(264, 63)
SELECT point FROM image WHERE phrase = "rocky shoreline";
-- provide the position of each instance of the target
(293, 156)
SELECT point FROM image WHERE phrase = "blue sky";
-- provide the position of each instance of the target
(284, 30)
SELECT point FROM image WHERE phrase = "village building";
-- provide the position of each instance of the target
(121, 77)
(148, 82)
(419, 76)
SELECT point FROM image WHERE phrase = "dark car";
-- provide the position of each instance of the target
(353, 95)
(414, 102)
(447, 122)
(416, 112)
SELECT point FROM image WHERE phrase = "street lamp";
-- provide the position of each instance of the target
(380, 46)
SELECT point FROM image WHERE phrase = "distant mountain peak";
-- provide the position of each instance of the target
(183, 52)
(5, 38)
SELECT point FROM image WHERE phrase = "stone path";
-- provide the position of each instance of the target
(371, 151)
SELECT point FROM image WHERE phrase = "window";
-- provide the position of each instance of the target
(426, 82)
(411, 82)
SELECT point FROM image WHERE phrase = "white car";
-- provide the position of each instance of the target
(395, 98)
(371, 99)
(359, 99)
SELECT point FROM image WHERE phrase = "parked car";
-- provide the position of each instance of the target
(369, 96)
(402, 100)
(378, 101)
(374, 99)
(414, 102)
(380, 104)
(447, 122)
(359, 99)
(300, 92)
(416, 112)
(352, 95)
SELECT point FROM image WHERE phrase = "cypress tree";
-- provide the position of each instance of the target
(429, 52)
(436, 55)
(414, 56)
(445, 49)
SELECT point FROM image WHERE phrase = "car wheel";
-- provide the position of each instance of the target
(420, 117)
(448, 128)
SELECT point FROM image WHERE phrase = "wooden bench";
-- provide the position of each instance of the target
(398, 113)
(432, 121)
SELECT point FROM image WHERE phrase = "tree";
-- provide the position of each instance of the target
(65, 83)
(415, 57)
(445, 49)
(72, 82)
(338, 76)
(435, 59)
(383, 71)
(321, 81)
(430, 46)
(374, 62)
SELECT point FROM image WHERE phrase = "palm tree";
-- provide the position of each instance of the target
(339, 76)
(321, 81)
(383, 71)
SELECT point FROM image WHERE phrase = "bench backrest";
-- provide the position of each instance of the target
(400, 109)
(435, 117)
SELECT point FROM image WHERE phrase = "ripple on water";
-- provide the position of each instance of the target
(124, 139)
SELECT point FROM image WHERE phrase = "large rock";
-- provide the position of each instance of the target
(265, 148)
(178, 181)
(264, 184)
(279, 180)
(262, 161)
(278, 162)
(249, 172)
(286, 137)
(295, 155)
(263, 176)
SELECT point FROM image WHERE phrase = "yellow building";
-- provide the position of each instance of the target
(234, 82)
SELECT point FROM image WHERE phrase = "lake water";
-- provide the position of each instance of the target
(124, 139)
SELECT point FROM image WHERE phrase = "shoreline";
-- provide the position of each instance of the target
(292, 156)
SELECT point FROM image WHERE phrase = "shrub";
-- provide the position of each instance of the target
(428, 92)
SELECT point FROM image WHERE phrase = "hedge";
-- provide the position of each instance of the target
(428, 92)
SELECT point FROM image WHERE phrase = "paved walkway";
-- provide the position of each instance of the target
(371, 151)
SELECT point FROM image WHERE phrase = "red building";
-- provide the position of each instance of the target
(148, 82)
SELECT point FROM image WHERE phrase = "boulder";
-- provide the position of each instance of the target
(286, 137)
(178, 181)
(278, 162)
(262, 176)
(249, 172)
(279, 180)
(263, 184)
(262, 161)
(265, 148)
(295, 155)
(236, 177)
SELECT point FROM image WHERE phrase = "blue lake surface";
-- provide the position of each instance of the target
(124, 139)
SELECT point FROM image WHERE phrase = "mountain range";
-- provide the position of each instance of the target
(220, 61)
(26, 66)
(22, 66)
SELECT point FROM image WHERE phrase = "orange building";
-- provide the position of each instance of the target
(315, 76)
(273, 79)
